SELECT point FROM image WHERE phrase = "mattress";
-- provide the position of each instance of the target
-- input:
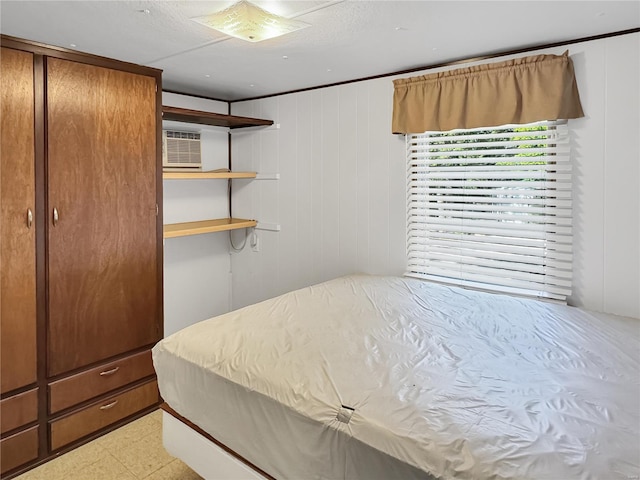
(388, 377)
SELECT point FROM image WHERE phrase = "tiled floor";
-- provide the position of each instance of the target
(132, 452)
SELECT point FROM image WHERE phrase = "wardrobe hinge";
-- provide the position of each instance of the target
(156, 209)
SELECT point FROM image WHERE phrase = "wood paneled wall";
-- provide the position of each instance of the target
(341, 197)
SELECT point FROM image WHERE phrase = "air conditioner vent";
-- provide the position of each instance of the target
(181, 149)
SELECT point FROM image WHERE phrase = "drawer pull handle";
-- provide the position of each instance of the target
(109, 405)
(106, 373)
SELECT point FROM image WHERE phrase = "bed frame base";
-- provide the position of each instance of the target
(202, 453)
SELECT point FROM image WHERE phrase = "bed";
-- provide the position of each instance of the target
(366, 377)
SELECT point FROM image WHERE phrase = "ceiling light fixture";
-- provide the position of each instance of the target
(249, 22)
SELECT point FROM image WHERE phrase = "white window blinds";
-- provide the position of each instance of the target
(491, 207)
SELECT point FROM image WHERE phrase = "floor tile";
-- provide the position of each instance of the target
(144, 456)
(176, 470)
(129, 434)
(107, 468)
(63, 466)
(156, 415)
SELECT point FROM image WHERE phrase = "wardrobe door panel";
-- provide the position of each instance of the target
(102, 213)
(17, 222)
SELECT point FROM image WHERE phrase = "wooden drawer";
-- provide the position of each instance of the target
(83, 386)
(101, 414)
(18, 410)
(18, 449)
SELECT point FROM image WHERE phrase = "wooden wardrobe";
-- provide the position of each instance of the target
(80, 247)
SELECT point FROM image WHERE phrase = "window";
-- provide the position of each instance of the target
(491, 208)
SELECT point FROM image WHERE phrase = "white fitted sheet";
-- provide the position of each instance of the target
(443, 383)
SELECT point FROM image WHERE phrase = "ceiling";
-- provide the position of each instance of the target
(347, 39)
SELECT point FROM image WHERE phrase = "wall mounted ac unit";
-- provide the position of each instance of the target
(181, 149)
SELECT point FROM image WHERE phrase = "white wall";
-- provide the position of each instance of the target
(341, 197)
(340, 200)
(196, 268)
(607, 169)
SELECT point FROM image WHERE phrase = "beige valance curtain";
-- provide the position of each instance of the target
(524, 90)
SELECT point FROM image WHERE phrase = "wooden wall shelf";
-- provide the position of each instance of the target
(205, 175)
(214, 119)
(206, 226)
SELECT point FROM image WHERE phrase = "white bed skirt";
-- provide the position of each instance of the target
(203, 456)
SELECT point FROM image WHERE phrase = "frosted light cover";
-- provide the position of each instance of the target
(249, 22)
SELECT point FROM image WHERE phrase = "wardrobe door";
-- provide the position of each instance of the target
(17, 222)
(102, 243)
